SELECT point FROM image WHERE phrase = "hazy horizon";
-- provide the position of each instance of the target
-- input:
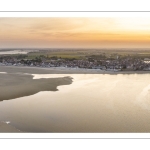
(70, 48)
(97, 33)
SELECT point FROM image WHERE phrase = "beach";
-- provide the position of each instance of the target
(61, 100)
(62, 70)
(14, 85)
(5, 127)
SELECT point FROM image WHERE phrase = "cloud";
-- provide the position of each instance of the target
(74, 30)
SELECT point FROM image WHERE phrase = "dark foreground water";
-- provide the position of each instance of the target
(92, 103)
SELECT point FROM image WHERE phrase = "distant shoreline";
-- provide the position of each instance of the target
(63, 70)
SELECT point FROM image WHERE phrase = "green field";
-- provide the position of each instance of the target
(84, 53)
(69, 55)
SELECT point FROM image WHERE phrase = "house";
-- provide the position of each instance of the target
(146, 60)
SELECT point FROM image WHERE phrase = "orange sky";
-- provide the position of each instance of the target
(100, 32)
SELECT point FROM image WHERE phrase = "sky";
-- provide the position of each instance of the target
(54, 32)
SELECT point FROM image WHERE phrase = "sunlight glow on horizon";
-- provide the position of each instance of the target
(100, 32)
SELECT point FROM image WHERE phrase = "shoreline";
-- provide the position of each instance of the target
(24, 82)
(63, 70)
(21, 85)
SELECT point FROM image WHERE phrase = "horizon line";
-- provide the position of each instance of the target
(72, 48)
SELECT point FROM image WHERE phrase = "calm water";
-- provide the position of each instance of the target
(93, 103)
(13, 52)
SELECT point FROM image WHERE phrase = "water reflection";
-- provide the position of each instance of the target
(92, 103)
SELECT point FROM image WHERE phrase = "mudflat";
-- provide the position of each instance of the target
(4, 127)
(62, 70)
(15, 85)
(52, 70)
(18, 81)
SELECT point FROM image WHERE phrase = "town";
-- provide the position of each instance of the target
(90, 62)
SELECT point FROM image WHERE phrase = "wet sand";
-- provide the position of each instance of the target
(4, 127)
(19, 85)
(62, 70)
(18, 81)
(92, 103)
